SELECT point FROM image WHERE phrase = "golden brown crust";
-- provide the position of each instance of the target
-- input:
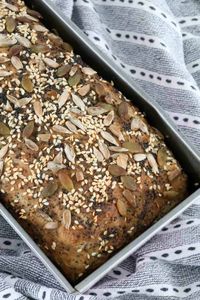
(81, 169)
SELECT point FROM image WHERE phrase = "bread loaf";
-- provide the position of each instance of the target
(81, 169)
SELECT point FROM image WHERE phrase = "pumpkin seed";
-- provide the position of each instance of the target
(12, 7)
(61, 129)
(84, 90)
(116, 170)
(6, 41)
(152, 163)
(106, 106)
(34, 13)
(15, 50)
(44, 137)
(98, 154)
(65, 180)
(88, 71)
(38, 109)
(104, 149)
(4, 129)
(99, 89)
(40, 48)
(170, 194)
(137, 123)
(4, 73)
(63, 70)
(70, 154)
(50, 189)
(116, 130)
(39, 28)
(129, 197)
(1, 167)
(27, 84)
(108, 137)
(74, 80)
(28, 130)
(63, 97)
(31, 145)
(3, 151)
(122, 207)
(133, 147)
(16, 62)
(109, 118)
(117, 149)
(129, 182)
(51, 225)
(77, 100)
(96, 110)
(50, 63)
(67, 219)
(162, 157)
(24, 19)
(77, 123)
(23, 41)
(122, 160)
(10, 24)
(71, 126)
(123, 110)
(79, 175)
(139, 157)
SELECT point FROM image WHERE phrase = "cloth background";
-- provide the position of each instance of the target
(157, 42)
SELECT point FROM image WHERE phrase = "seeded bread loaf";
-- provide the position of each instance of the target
(81, 169)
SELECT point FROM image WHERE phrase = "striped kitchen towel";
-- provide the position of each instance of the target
(156, 42)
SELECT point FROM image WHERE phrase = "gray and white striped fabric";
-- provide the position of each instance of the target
(156, 42)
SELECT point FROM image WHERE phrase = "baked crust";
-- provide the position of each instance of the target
(82, 170)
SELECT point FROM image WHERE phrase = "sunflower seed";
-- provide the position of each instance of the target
(65, 180)
(77, 123)
(16, 62)
(139, 157)
(116, 130)
(123, 110)
(8, 107)
(63, 97)
(152, 163)
(96, 110)
(31, 145)
(162, 157)
(170, 194)
(55, 167)
(133, 147)
(108, 137)
(1, 167)
(67, 218)
(23, 101)
(34, 13)
(51, 225)
(137, 123)
(117, 149)
(71, 126)
(129, 182)
(15, 50)
(4, 60)
(104, 149)
(122, 160)
(77, 100)
(39, 28)
(109, 118)
(122, 207)
(23, 41)
(70, 154)
(61, 129)
(116, 170)
(73, 70)
(38, 109)
(98, 154)
(129, 197)
(3, 151)
(40, 48)
(12, 7)
(4, 129)
(10, 24)
(58, 159)
(44, 137)
(84, 90)
(88, 71)
(49, 190)
(27, 84)
(4, 73)
(28, 129)
(79, 175)
(50, 63)
(31, 18)
(6, 41)
(173, 174)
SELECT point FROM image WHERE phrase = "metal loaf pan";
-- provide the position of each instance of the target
(188, 157)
